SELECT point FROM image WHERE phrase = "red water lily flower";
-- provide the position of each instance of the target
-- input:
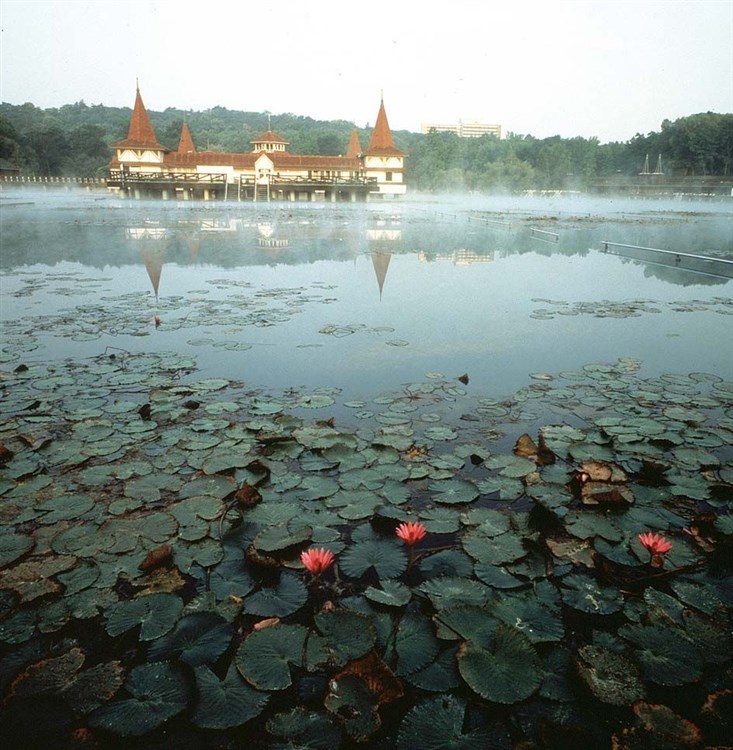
(157, 320)
(655, 543)
(316, 559)
(411, 532)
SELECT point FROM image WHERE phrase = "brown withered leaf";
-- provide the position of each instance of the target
(163, 580)
(602, 471)
(247, 496)
(666, 726)
(578, 551)
(94, 686)
(464, 378)
(47, 675)
(376, 675)
(602, 493)
(525, 446)
(159, 556)
(545, 456)
(5, 454)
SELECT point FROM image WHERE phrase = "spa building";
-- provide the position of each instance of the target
(143, 168)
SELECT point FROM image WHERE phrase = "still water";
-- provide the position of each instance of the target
(367, 298)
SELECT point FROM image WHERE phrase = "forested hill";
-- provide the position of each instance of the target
(74, 140)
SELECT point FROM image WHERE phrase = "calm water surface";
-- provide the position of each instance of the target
(366, 298)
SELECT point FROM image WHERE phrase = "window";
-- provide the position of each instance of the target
(388, 176)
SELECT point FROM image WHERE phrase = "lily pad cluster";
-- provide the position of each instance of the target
(151, 586)
(633, 308)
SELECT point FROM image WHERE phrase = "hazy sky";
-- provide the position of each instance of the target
(575, 67)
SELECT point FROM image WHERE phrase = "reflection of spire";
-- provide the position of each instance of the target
(193, 244)
(380, 261)
(153, 256)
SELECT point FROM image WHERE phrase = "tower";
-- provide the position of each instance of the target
(384, 160)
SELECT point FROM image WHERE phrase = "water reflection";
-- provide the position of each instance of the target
(363, 298)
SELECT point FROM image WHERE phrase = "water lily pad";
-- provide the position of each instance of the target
(13, 546)
(199, 638)
(226, 703)
(446, 592)
(585, 594)
(264, 657)
(454, 492)
(157, 693)
(611, 677)
(305, 729)
(287, 597)
(384, 555)
(664, 654)
(156, 614)
(438, 724)
(508, 671)
(391, 594)
(346, 635)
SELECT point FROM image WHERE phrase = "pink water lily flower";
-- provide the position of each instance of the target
(317, 559)
(411, 532)
(655, 543)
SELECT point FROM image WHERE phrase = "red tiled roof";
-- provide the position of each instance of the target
(270, 137)
(185, 145)
(140, 134)
(381, 143)
(294, 161)
(354, 148)
(210, 158)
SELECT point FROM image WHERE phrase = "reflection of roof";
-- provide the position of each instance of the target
(153, 258)
(140, 134)
(380, 261)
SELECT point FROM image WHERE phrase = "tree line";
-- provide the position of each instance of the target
(73, 140)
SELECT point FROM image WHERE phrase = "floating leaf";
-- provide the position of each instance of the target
(264, 657)
(305, 729)
(446, 592)
(386, 557)
(346, 635)
(665, 655)
(391, 594)
(437, 724)
(276, 538)
(667, 728)
(454, 491)
(507, 672)
(585, 594)
(226, 703)
(199, 638)
(415, 643)
(156, 613)
(13, 546)
(611, 677)
(287, 597)
(157, 693)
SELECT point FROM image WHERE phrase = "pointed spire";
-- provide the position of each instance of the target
(354, 147)
(140, 133)
(185, 145)
(381, 142)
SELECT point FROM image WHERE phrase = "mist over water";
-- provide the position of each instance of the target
(367, 298)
